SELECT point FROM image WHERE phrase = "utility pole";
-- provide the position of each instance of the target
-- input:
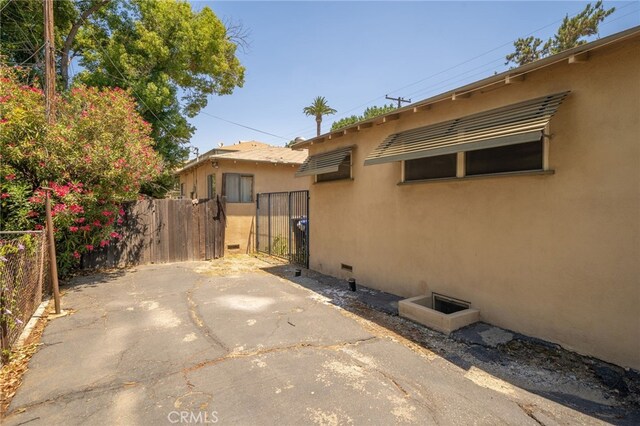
(399, 99)
(50, 111)
(49, 62)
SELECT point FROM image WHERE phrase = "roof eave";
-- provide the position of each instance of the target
(466, 89)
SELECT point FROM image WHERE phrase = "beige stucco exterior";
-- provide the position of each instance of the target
(555, 256)
(241, 216)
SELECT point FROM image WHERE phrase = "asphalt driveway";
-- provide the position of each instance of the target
(185, 343)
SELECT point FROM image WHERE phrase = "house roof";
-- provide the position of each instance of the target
(263, 153)
(269, 154)
(576, 54)
(245, 146)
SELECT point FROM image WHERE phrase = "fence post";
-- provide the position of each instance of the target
(257, 223)
(269, 221)
(43, 247)
(4, 330)
(290, 220)
(52, 252)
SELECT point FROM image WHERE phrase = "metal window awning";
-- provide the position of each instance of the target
(510, 125)
(327, 162)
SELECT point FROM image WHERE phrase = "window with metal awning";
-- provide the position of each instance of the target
(510, 125)
(327, 162)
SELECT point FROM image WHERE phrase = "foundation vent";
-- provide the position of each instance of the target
(346, 267)
(233, 246)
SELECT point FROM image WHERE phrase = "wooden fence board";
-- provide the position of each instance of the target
(159, 231)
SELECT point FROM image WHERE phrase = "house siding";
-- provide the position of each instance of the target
(552, 256)
(241, 216)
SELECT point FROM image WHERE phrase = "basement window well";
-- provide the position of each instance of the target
(439, 312)
(447, 305)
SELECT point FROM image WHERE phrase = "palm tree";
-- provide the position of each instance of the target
(318, 108)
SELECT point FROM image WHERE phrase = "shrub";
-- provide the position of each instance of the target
(94, 157)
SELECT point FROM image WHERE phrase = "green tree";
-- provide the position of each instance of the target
(318, 108)
(570, 34)
(370, 112)
(95, 157)
(170, 56)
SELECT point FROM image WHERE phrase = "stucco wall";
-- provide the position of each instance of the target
(553, 256)
(241, 216)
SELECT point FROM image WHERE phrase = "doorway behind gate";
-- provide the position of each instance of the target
(282, 225)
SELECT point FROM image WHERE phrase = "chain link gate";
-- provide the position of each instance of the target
(282, 225)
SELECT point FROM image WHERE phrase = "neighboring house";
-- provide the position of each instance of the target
(519, 194)
(239, 172)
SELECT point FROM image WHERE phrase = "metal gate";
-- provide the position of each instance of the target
(282, 225)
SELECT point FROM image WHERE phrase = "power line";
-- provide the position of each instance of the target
(344, 114)
(399, 99)
(242, 125)
(32, 55)
(5, 6)
(201, 112)
(130, 85)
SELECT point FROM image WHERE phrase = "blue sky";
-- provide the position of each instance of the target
(353, 53)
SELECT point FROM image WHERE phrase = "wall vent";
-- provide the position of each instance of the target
(233, 246)
(448, 305)
(346, 267)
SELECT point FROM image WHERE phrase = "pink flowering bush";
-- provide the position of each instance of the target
(94, 158)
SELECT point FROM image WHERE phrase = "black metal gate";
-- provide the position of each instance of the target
(282, 225)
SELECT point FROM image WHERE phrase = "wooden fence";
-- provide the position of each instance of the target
(161, 231)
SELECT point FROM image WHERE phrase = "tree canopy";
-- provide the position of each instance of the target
(571, 33)
(170, 56)
(368, 113)
(318, 108)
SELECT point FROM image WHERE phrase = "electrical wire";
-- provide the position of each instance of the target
(345, 113)
(201, 112)
(5, 6)
(32, 55)
(242, 125)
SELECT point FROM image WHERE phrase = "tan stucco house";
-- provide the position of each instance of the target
(519, 194)
(238, 172)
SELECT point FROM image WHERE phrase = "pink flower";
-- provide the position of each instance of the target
(31, 213)
(10, 176)
(59, 208)
(97, 223)
(76, 209)
(114, 235)
(107, 213)
(79, 220)
(104, 243)
(73, 228)
(121, 212)
(76, 255)
(89, 247)
(5, 195)
(38, 227)
(60, 190)
(120, 221)
(85, 228)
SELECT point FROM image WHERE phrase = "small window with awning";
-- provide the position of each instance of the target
(515, 124)
(332, 165)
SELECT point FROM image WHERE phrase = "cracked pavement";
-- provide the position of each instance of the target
(153, 343)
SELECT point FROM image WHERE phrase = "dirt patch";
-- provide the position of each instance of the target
(11, 373)
(237, 264)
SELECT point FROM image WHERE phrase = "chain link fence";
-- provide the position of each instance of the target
(23, 281)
